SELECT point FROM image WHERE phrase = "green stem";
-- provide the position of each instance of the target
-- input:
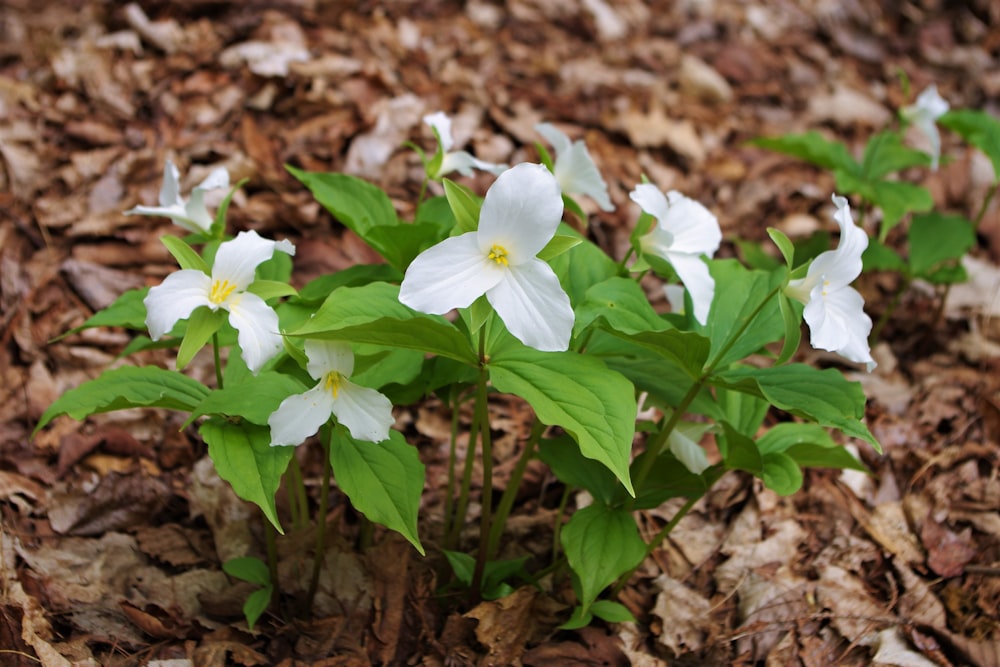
(510, 492)
(449, 496)
(218, 360)
(622, 264)
(986, 204)
(655, 542)
(271, 537)
(889, 310)
(298, 503)
(557, 529)
(458, 520)
(420, 199)
(321, 510)
(486, 498)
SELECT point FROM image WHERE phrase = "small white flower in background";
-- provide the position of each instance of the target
(675, 297)
(459, 161)
(574, 168)
(834, 310)
(685, 231)
(366, 413)
(519, 217)
(924, 113)
(192, 214)
(255, 322)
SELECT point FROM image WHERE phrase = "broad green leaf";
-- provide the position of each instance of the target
(465, 205)
(256, 604)
(978, 128)
(559, 244)
(127, 311)
(623, 306)
(373, 314)
(669, 478)
(254, 399)
(612, 612)
(816, 456)
(127, 387)
(781, 473)
(249, 569)
(592, 403)
(786, 434)
(897, 198)
(743, 412)
(387, 366)
(201, 325)
(316, 291)
(936, 238)
(495, 572)
(243, 456)
(271, 289)
(581, 267)
(277, 268)
(745, 315)
(885, 154)
(601, 544)
(791, 315)
(405, 241)
(185, 254)
(812, 147)
(739, 452)
(573, 207)
(880, 257)
(686, 350)
(384, 480)
(563, 457)
(784, 245)
(755, 257)
(823, 396)
(438, 211)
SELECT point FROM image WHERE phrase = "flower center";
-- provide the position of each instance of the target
(221, 289)
(332, 382)
(499, 255)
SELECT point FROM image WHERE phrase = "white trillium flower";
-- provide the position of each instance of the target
(192, 215)
(519, 217)
(574, 168)
(366, 413)
(255, 322)
(834, 310)
(685, 231)
(460, 161)
(924, 113)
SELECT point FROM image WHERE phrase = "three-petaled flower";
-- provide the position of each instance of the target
(255, 322)
(520, 214)
(192, 215)
(685, 231)
(460, 161)
(366, 413)
(924, 113)
(834, 310)
(574, 168)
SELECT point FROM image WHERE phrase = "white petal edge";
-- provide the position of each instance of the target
(256, 327)
(300, 416)
(556, 138)
(175, 299)
(533, 305)
(695, 229)
(451, 274)
(521, 212)
(651, 200)
(170, 189)
(578, 174)
(237, 260)
(693, 272)
(326, 356)
(838, 323)
(366, 413)
(440, 122)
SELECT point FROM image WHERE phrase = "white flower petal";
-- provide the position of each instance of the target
(520, 212)
(838, 323)
(675, 297)
(577, 174)
(175, 299)
(442, 123)
(170, 190)
(651, 200)
(326, 356)
(366, 413)
(451, 274)
(300, 416)
(838, 268)
(559, 141)
(256, 326)
(178, 214)
(533, 305)
(218, 178)
(464, 163)
(688, 452)
(693, 272)
(237, 260)
(695, 229)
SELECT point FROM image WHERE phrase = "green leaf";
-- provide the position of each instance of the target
(885, 154)
(465, 205)
(271, 289)
(781, 473)
(256, 604)
(559, 244)
(254, 399)
(880, 257)
(494, 573)
(739, 452)
(978, 128)
(601, 544)
(669, 478)
(612, 612)
(581, 267)
(784, 245)
(317, 290)
(580, 618)
(623, 306)
(563, 457)
(373, 314)
(811, 147)
(202, 324)
(816, 456)
(127, 387)
(739, 294)
(936, 238)
(686, 350)
(387, 366)
(249, 569)
(127, 311)
(823, 396)
(185, 254)
(573, 207)
(897, 198)
(384, 480)
(787, 434)
(791, 315)
(243, 456)
(592, 403)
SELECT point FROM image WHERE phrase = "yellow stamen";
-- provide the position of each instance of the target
(221, 289)
(332, 382)
(499, 255)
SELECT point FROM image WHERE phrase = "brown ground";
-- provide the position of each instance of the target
(112, 531)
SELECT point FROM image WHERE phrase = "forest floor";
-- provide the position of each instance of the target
(112, 530)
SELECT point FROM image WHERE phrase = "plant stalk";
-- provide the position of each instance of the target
(510, 492)
(218, 360)
(324, 493)
(486, 499)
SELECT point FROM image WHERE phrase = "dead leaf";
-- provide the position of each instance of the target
(685, 616)
(947, 552)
